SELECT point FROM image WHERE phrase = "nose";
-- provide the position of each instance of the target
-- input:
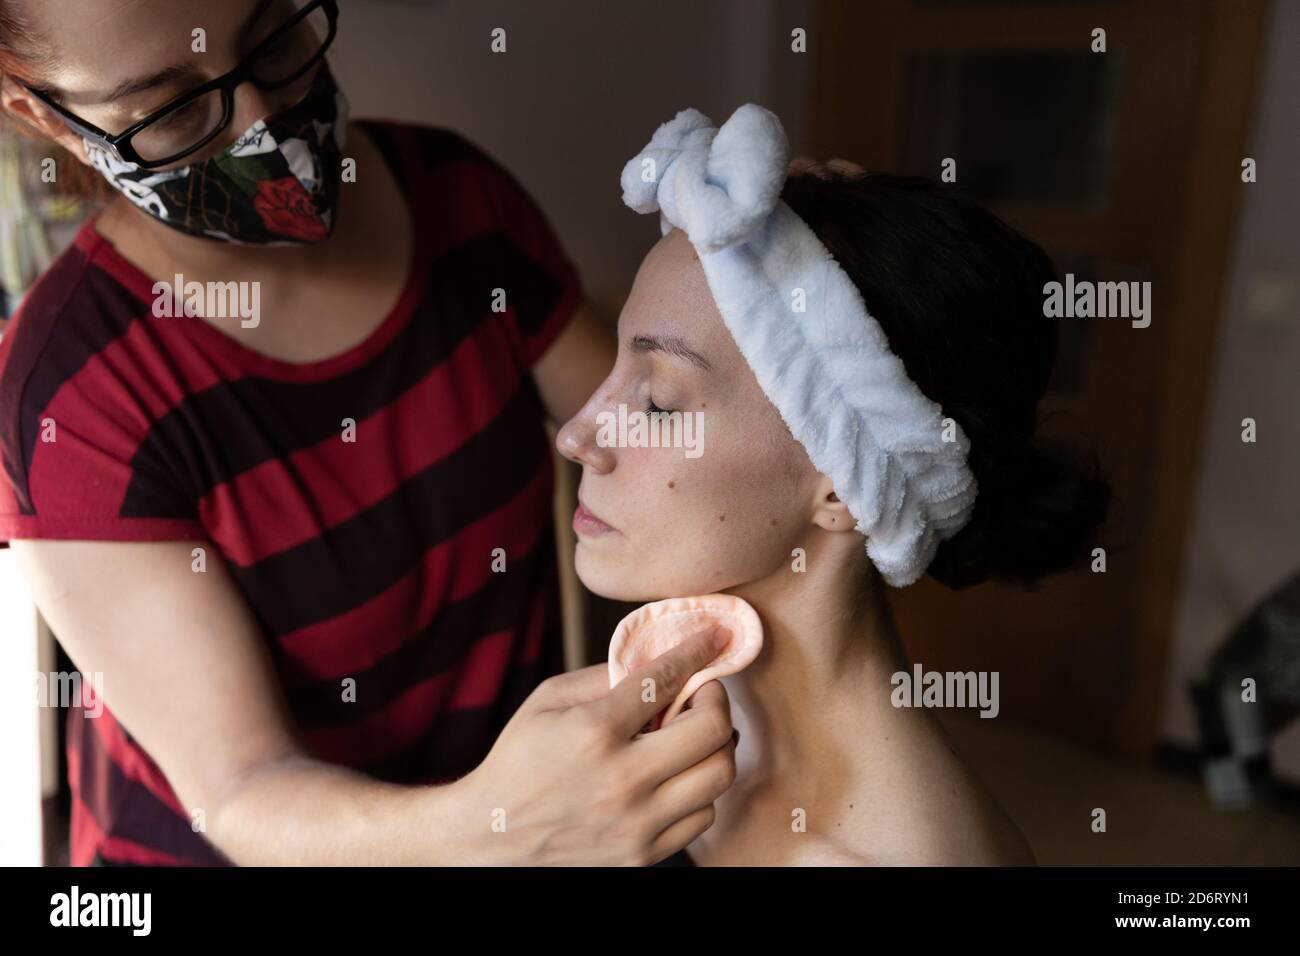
(253, 103)
(576, 441)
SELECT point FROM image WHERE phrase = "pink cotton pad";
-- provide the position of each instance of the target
(655, 628)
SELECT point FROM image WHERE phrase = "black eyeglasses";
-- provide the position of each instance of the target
(191, 121)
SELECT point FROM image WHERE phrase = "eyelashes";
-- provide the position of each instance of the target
(652, 409)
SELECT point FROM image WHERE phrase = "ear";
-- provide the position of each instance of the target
(829, 513)
(28, 110)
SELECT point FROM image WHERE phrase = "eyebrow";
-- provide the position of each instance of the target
(143, 84)
(671, 345)
(178, 70)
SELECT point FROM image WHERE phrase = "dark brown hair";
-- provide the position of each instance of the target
(959, 294)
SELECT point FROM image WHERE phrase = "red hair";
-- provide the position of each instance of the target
(23, 54)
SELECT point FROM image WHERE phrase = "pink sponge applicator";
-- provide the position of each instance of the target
(655, 628)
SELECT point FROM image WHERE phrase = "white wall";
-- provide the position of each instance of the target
(1245, 537)
(580, 89)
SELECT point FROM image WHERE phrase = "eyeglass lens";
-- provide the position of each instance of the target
(284, 60)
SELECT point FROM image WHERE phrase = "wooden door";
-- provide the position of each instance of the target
(1125, 165)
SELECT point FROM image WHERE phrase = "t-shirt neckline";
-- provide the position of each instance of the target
(101, 251)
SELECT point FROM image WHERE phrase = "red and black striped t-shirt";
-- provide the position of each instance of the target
(369, 559)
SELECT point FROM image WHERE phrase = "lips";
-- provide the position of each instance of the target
(587, 524)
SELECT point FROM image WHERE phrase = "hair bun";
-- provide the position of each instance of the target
(1038, 512)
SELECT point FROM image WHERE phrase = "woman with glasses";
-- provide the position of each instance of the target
(275, 464)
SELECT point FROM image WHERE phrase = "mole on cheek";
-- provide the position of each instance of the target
(671, 483)
(722, 517)
(773, 522)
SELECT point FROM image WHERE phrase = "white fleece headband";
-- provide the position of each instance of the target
(828, 369)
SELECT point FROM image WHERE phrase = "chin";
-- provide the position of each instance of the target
(620, 578)
(609, 577)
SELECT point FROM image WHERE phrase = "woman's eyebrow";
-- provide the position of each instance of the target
(143, 84)
(671, 345)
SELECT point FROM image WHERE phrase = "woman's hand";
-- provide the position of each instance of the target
(570, 782)
(186, 670)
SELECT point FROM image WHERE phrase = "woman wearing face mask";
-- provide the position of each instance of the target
(307, 542)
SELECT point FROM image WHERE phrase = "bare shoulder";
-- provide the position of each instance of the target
(935, 811)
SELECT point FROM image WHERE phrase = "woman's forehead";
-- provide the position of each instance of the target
(101, 44)
(671, 297)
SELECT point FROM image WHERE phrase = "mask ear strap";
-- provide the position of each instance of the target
(105, 159)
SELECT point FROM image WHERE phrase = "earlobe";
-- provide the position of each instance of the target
(830, 513)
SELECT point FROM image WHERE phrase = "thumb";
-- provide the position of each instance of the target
(572, 688)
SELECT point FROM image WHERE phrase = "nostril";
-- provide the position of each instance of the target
(576, 441)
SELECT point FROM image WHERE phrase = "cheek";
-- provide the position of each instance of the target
(694, 526)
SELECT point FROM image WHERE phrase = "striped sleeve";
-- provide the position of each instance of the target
(74, 414)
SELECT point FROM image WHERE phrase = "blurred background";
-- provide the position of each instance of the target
(1120, 688)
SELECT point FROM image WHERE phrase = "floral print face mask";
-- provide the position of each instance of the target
(278, 184)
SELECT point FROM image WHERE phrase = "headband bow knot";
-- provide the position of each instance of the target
(718, 186)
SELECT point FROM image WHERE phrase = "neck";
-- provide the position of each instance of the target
(830, 647)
